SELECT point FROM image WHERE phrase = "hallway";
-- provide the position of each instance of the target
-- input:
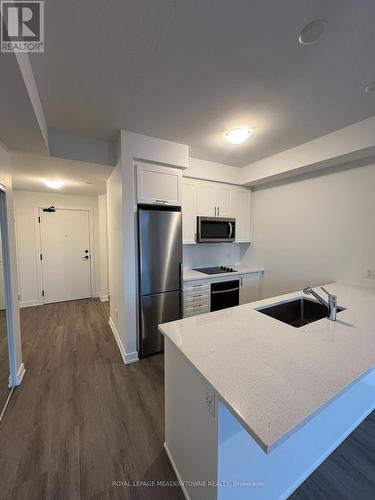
(81, 419)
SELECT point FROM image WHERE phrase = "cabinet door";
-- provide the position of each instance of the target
(158, 185)
(241, 210)
(249, 288)
(189, 211)
(223, 200)
(207, 201)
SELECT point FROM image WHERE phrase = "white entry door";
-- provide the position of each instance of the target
(65, 254)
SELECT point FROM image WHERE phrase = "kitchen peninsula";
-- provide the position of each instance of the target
(260, 402)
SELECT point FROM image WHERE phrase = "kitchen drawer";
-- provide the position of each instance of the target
(194, 309)
(196, 297)
(197, 288)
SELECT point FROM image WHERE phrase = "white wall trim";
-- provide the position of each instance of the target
(20, 374)
(128, 358)
(176, 472)
(30, 303)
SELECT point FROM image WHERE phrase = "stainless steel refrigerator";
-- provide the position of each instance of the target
(160, 273)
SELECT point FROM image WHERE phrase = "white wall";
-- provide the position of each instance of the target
(212, 254)
(116, 254)
(139, 147)
(315, 229)
(6, 180)
(211, 171)
(26, 203)
(103, 245)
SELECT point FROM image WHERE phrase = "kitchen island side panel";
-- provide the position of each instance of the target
(190, 427)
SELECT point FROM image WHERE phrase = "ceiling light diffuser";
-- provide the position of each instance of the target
(370, 88)
(54, 184)
(312, 32)
(238, 135)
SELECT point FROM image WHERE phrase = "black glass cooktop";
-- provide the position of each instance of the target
(216, 270)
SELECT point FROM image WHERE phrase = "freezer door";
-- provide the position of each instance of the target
(157, 309)
(160, 251)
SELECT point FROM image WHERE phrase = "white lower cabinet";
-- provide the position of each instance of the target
(196, 298)
(249, 288)
(197, 294)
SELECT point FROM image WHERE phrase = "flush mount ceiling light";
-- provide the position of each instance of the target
(370, 88)
(312, 32)
(237, 135)
(54, 184)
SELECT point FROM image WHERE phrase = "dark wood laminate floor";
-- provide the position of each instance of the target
(81, 419)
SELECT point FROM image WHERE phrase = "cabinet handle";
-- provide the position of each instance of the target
(218, 211)
(241, 280)
(215, 211)
(161, 201)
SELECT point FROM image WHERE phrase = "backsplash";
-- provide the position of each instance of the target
(211, 254)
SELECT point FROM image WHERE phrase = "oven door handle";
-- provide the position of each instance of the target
(224, 291)
(230, 230)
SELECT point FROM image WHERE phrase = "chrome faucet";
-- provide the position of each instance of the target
(331, 305)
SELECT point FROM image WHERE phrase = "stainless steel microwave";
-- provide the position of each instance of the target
(216, 230)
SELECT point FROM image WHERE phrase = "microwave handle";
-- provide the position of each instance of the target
(230, 229)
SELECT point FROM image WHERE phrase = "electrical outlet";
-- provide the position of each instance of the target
(210, 401)
(371, 274)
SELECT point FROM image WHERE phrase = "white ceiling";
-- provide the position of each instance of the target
(187, 71)
(29, 170)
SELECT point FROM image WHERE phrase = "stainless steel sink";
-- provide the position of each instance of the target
(297, 312)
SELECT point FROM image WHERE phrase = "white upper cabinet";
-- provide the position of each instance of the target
(241, 211)
(213, 199)
(224, 199)
(207, 199)
(158, 185)
(189, 211)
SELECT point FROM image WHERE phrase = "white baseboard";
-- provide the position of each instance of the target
(128, 358)
(104, 298)
(179, 479)
(20, 374)
(30, 303)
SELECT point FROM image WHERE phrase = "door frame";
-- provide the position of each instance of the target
(10, 307)
(39, 265)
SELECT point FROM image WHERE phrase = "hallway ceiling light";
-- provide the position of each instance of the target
(370, 88)
(238, 135)
(54, 184)
(312, 32)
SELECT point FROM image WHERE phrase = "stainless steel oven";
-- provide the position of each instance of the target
(216, 230)
(225, 294)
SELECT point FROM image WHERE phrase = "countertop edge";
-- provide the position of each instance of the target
(209, 277)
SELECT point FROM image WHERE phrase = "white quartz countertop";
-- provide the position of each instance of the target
(191, 275)
(272, 376)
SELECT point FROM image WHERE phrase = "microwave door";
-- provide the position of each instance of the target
(215, 230)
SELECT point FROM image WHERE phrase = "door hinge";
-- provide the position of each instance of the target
(39, 220)
(41, 257)
(42, 293)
